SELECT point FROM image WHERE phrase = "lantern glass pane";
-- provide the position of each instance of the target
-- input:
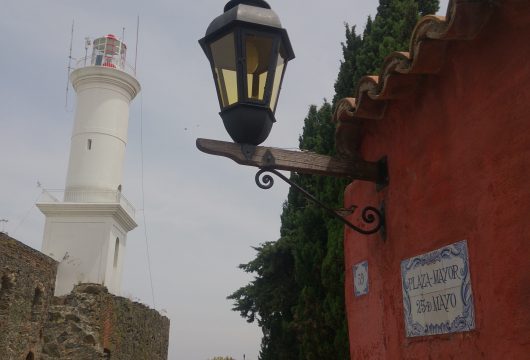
(280, 68)
(224, 63)
(258, 56)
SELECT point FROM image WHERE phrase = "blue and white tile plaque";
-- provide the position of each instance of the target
(360, 278)
(437, 296)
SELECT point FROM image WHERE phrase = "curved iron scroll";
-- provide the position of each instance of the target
(369, 215)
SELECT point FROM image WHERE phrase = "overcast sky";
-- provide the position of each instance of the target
(203, 213)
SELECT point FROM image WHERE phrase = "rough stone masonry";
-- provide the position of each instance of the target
(89, 323)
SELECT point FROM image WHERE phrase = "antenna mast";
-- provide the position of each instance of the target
(87, 45)
(69, 66)
(136, 51)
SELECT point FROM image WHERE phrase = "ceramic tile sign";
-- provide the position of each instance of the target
(437, 296)
(360, 278)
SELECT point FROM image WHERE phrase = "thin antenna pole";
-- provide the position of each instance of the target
(136, 51)
(148, 253)
(123, 34)
(69, 66)
(87, 45)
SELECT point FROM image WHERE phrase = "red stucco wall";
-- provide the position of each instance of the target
(459, 162)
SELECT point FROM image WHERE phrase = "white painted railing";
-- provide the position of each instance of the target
(90, 197)
(114, 63)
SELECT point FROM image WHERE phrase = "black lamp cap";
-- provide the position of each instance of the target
(258, 3)
(243, 13)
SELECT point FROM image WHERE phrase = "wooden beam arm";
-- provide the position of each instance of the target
(305, 162)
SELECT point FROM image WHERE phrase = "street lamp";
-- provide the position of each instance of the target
(248, 51)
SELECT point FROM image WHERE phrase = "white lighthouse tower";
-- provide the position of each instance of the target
(87, 231)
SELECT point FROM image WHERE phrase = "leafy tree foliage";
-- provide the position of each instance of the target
(270, 297)
(350, 49)
(297, 295)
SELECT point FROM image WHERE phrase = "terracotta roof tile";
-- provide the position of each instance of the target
(401, 72)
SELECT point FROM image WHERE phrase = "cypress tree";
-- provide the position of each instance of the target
(344, 84)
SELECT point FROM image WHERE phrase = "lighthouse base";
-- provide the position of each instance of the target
(88, 240)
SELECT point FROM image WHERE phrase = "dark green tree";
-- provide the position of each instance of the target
(428, 7)
(270, 298)
(350, 48)
(297, 296)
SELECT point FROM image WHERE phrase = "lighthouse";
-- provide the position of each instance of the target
(86, 225)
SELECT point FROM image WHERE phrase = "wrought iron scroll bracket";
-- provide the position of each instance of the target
(370, 215)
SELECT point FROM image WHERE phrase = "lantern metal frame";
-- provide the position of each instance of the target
(242, 20)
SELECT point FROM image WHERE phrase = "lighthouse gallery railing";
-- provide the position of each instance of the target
(91, 197)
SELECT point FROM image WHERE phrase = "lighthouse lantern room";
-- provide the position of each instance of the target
(87, 230)
(109, 51)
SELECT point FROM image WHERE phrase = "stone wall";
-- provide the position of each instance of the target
(87, 324)
(137, 332)
(26, 291)
(90, 323)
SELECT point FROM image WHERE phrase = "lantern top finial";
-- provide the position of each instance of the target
(258, 3)
(256, 12)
